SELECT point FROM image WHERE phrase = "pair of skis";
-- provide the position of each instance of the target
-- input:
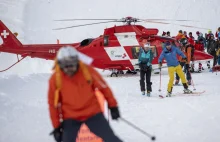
(185, 94)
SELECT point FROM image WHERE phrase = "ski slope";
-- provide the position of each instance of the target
(24, 113)
(25, 117)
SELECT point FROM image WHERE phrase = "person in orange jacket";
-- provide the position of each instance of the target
(186, 48)
(180, 35)
(72, 100)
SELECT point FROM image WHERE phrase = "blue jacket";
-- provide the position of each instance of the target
(145, 57)
(170, 56)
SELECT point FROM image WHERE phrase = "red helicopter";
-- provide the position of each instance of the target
(116, 50)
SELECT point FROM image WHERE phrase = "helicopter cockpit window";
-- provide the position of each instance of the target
(86, 42)
(106, 39)
(136, 50)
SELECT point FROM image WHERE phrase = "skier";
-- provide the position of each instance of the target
(187, 50)
(217, 34)
(211, 49)
(218, 55)
(168, 34)
(164, 33)
(185, 34)
(145, 63)
(180, 35)
(200, 37)
(200, 47)
(208, 36)
(72, 100)
(191, 41)
(169, 53)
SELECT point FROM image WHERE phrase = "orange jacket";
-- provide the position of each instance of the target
(180, 36)
(77, 97)
(187, 52)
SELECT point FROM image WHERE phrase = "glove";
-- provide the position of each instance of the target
(114, 113)
(57, 133)
(187, 66)
(185, 59)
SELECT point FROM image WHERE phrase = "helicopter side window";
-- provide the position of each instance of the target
(86, 42)
(136, 50)
(106, 39)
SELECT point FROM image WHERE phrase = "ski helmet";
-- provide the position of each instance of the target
(68, 61)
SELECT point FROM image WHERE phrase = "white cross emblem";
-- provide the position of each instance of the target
(4, 34)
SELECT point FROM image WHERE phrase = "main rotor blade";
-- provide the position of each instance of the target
(82, 19)
(176, 24)
(168, 20)
(84, 25)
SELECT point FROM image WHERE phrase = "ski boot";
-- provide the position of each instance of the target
(189, 82)
(187, 91)
(143, 93)
(169, 94)
(176, 82)
(148, 93)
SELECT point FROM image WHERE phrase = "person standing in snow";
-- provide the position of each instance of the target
(180, 35)
(217, 34)
(145, 59)
(168, 34)
(187, 50)
(208, 36)
(199, 46)
(218, 55)
(72, 100)
(211, 49)
(200, 37)
(170, 53)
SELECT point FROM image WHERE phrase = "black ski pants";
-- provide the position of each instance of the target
(145, 75)
(97, 124)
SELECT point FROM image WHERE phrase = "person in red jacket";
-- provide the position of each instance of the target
(200, 47)
(72, 100)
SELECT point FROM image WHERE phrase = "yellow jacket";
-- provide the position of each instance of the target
(218, 52)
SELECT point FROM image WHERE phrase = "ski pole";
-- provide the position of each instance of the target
(192, 80)
(153, 138)
(160, 81)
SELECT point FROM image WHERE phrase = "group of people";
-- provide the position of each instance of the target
(71, 96)
(174, 66)
(210, 44)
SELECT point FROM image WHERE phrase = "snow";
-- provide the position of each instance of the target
(24, 111)
(23, 89)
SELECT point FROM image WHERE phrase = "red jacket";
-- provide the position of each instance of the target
(199, 47)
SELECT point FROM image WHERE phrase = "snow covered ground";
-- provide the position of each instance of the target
(24, 111)
(23, 89)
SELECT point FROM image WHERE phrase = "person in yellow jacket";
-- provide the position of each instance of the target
(218, 55)
(170, 53)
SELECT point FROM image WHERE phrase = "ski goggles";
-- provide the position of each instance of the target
(68, 63)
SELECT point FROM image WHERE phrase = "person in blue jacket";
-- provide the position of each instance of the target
(145, 58)
(170, 54)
